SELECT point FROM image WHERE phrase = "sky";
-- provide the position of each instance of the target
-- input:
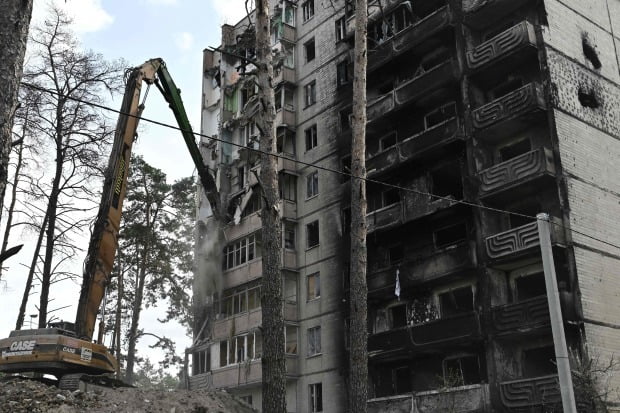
(135, 30)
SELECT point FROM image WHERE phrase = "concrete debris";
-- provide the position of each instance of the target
(29, 396)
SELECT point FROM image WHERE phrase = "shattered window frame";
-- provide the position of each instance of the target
(341, 29)
(312, 234)
(315, 397)
(311, 137)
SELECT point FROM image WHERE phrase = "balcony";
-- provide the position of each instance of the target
(419, 205)
(380, 106)
(521, 317)
(516, 173)
(525, 394)
(243, 273)
(286, 163)
(457, 330)
(285, 117)
(284, 32)
(417, 270)
(471, 398)
(512, 42)
(481, 13)
(520, 241)
(411, 37)
(284, 75)
(238, 323)
(248, 373)
(508, 111)
(384, 218)
(288, 209)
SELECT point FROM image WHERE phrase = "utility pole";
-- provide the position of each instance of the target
(555, 311)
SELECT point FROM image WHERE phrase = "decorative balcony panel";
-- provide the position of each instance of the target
(481, 13)
(471, 398)
(284, 75)
(523, 100)
(420, 86)
(380, 106)
(285, 117)
(518, 170)
(459, 329)
(520, 240)
(384, 218)
(519, 395)
(519, 317)
(517, 37)
(289, 33)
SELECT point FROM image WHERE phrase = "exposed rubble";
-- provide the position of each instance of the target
(17, 396)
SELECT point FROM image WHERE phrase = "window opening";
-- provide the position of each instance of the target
(310, 93)
(530, 210)
(341, 28)
(462, 371)
(314, 341)
(309, 50)
(456, 301)
(345, 164)
(314, 286)
(515, 149)
(587, 98)
(342, 73)
(504, 88)
(440, 115)
(288, 187)
(312, 234)
(446, 182)
(402, 379)
(316, 397)
(289, 235)
(539, 362)
(307, 9)
(312, 184)
(396, 254)
(290, 335)
(311, 137)
(398, 316)
(530, 286)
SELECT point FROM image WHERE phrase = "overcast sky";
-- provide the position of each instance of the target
(135, 30)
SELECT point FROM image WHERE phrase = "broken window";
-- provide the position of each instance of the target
(398, 316)
(289, 235)
(456, 301)
(223, 353)
(312, 184)
(241, 177)
(341, 28)
(284, 98)
(402, 379)
(530, 286)
(316, 397)
(246, 94)
(381, 321)
(522, 213)
(451, 235)
(247, 399)
(311, 137)
(314, 286)
(461, 371)
(241, 251)
(288, 187)
(254, 204)
(309, 50)
(447, 182)
(250, 134)
(342, 73)
(396, 254)
(307, 8)
(312, 234)
(314, 341)
(310, 93)
(349, 8)
(539, 362)
(515, 149)
(288, 14)
(440, 115)
(390, 197)
(254, 298)
(286, 141)
(345, 167)
(387, 141)
(500, 28)
(240, 349)
(290, 339)
(509, 85)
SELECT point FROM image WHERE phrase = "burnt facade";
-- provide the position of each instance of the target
(474, 107)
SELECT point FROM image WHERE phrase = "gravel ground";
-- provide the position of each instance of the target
(27, 396)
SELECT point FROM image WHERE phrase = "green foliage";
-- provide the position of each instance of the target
(148, 377)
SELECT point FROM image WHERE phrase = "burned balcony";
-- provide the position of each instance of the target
(470, 398)
(481, 13)
(516, 174)
(522, 317)
(460, 329)
(248, 373)
(411, 37)
(384, 218)
(520, 241)
(284, 75)
(512, 43)
(532, 393)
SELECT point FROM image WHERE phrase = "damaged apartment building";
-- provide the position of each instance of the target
(475, 108)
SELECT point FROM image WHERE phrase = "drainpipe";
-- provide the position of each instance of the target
(557, 325)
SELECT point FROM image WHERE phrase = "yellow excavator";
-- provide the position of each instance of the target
(67, 350)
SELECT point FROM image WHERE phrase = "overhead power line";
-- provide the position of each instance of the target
(314, 165)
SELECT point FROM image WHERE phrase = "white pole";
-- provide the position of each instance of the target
(555, 311)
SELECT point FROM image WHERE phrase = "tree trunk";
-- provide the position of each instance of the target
(273, 362)
(358, 334)
(11, 209)
(14, 23)
(118, 317)
(135, 319)
(33, 265)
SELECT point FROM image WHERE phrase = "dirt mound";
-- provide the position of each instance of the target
(27, 396)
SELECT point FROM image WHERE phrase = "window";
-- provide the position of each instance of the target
(316, 397)
(341, 28)
(284, 98)
(312, 234)
(290, 339)
(310, 93)
(240, 348)
(314, 341)
(312, 184)
(440, 115)
(390, 196)
(254, 298)
(539, 362)
(446, 181)
(250, 134)
(509, 85)
(289, 13)
(288, 187)
(289, 235)
(307, 9)
(387, 141)
(309, 50)
(462, 371)
(241, 177)
(311, 137)
(451, 235)
(456, 301)
(246, 399)
(342, 73)
(289, 288)
(314, 286)
(398, 316)
(241, 251)
(345, 120)
(530, 286)
(396, 254)
(515, 149)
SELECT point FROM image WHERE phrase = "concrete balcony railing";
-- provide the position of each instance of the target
(225, 328)
(286, 164)
(409, 38)
(284, 75)
(435, 334)
(521, 317)
(417, 270)
(518, 38)
(521, 170)
(243, 273)
(525, 394)
(285, 32)
(203, 381)
(497, 114)
(412, 90)
(288, 209)
(384, 218)
(481, 13)
(249, 372)
(285, 117)
(519, 241)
